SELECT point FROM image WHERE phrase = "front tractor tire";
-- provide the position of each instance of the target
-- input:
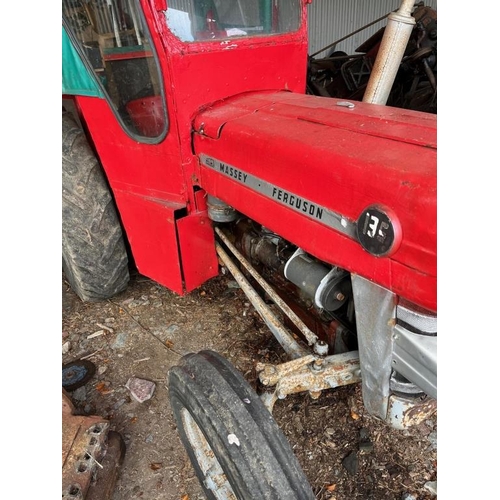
(94, 256)
(237, 450)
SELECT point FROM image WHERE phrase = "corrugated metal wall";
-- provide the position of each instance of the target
(330, 20)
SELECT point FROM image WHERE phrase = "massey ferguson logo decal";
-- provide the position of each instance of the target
(291, 200)
(298, 203)
(231, 172)
(378, 232)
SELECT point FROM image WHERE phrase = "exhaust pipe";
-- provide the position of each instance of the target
(392, 48)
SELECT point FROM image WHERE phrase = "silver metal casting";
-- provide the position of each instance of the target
(415, 357)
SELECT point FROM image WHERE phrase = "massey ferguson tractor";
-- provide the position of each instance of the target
(190, 143)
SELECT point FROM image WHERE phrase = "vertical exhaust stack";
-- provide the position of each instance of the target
(392, 48)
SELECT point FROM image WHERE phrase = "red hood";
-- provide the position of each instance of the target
(342, 159)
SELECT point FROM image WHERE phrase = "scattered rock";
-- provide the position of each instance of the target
(140, 389)
(431, 486)
(233, 284)
(337, 472)
(66, 347)
(408, 496)
(164, 333)
(365, 443)
(298, 424)
(80, 394)
(432, 438)
(119, 341)
(119, 403)
(351, 463)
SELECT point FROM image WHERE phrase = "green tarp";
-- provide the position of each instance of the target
(76, 78)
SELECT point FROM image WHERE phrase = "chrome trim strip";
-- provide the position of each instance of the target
(297, 203)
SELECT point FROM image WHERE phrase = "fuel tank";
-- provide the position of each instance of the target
(352, 183)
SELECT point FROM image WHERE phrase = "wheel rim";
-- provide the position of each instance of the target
(215, 479)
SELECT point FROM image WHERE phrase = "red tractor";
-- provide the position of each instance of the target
(190, 143)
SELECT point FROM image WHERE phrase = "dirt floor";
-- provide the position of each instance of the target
(345, 453)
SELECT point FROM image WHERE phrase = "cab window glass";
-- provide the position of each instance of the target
(195, 20)
(114, 39)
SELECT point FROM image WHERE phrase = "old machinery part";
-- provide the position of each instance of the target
(308, 334)
(76, 374)
(321, 348)
(236, 447)
(268, 254)
(103, 488)
(330, 288)
(285, 338)
(346, 76)
(407, 411)
(260, 245)
(309, 374)
(91, 455)
(219, 211)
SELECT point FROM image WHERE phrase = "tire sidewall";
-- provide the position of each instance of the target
(212, 429)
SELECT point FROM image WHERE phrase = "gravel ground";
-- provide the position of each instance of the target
(345, 453)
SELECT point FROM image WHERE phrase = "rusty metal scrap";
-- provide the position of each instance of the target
(311, 374)
(405, 412)
(83, 448)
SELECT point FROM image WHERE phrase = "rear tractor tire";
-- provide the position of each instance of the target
(235, 446)
(94, 256)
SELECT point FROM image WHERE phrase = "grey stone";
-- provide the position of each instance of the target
(119, 341)
(432, 438)
(80, 394)
(431, 486)
(119, 403)
(172, 329)
(66, 347)
(351, 463)
(365, 443)
(408, 496)
(166, 333)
